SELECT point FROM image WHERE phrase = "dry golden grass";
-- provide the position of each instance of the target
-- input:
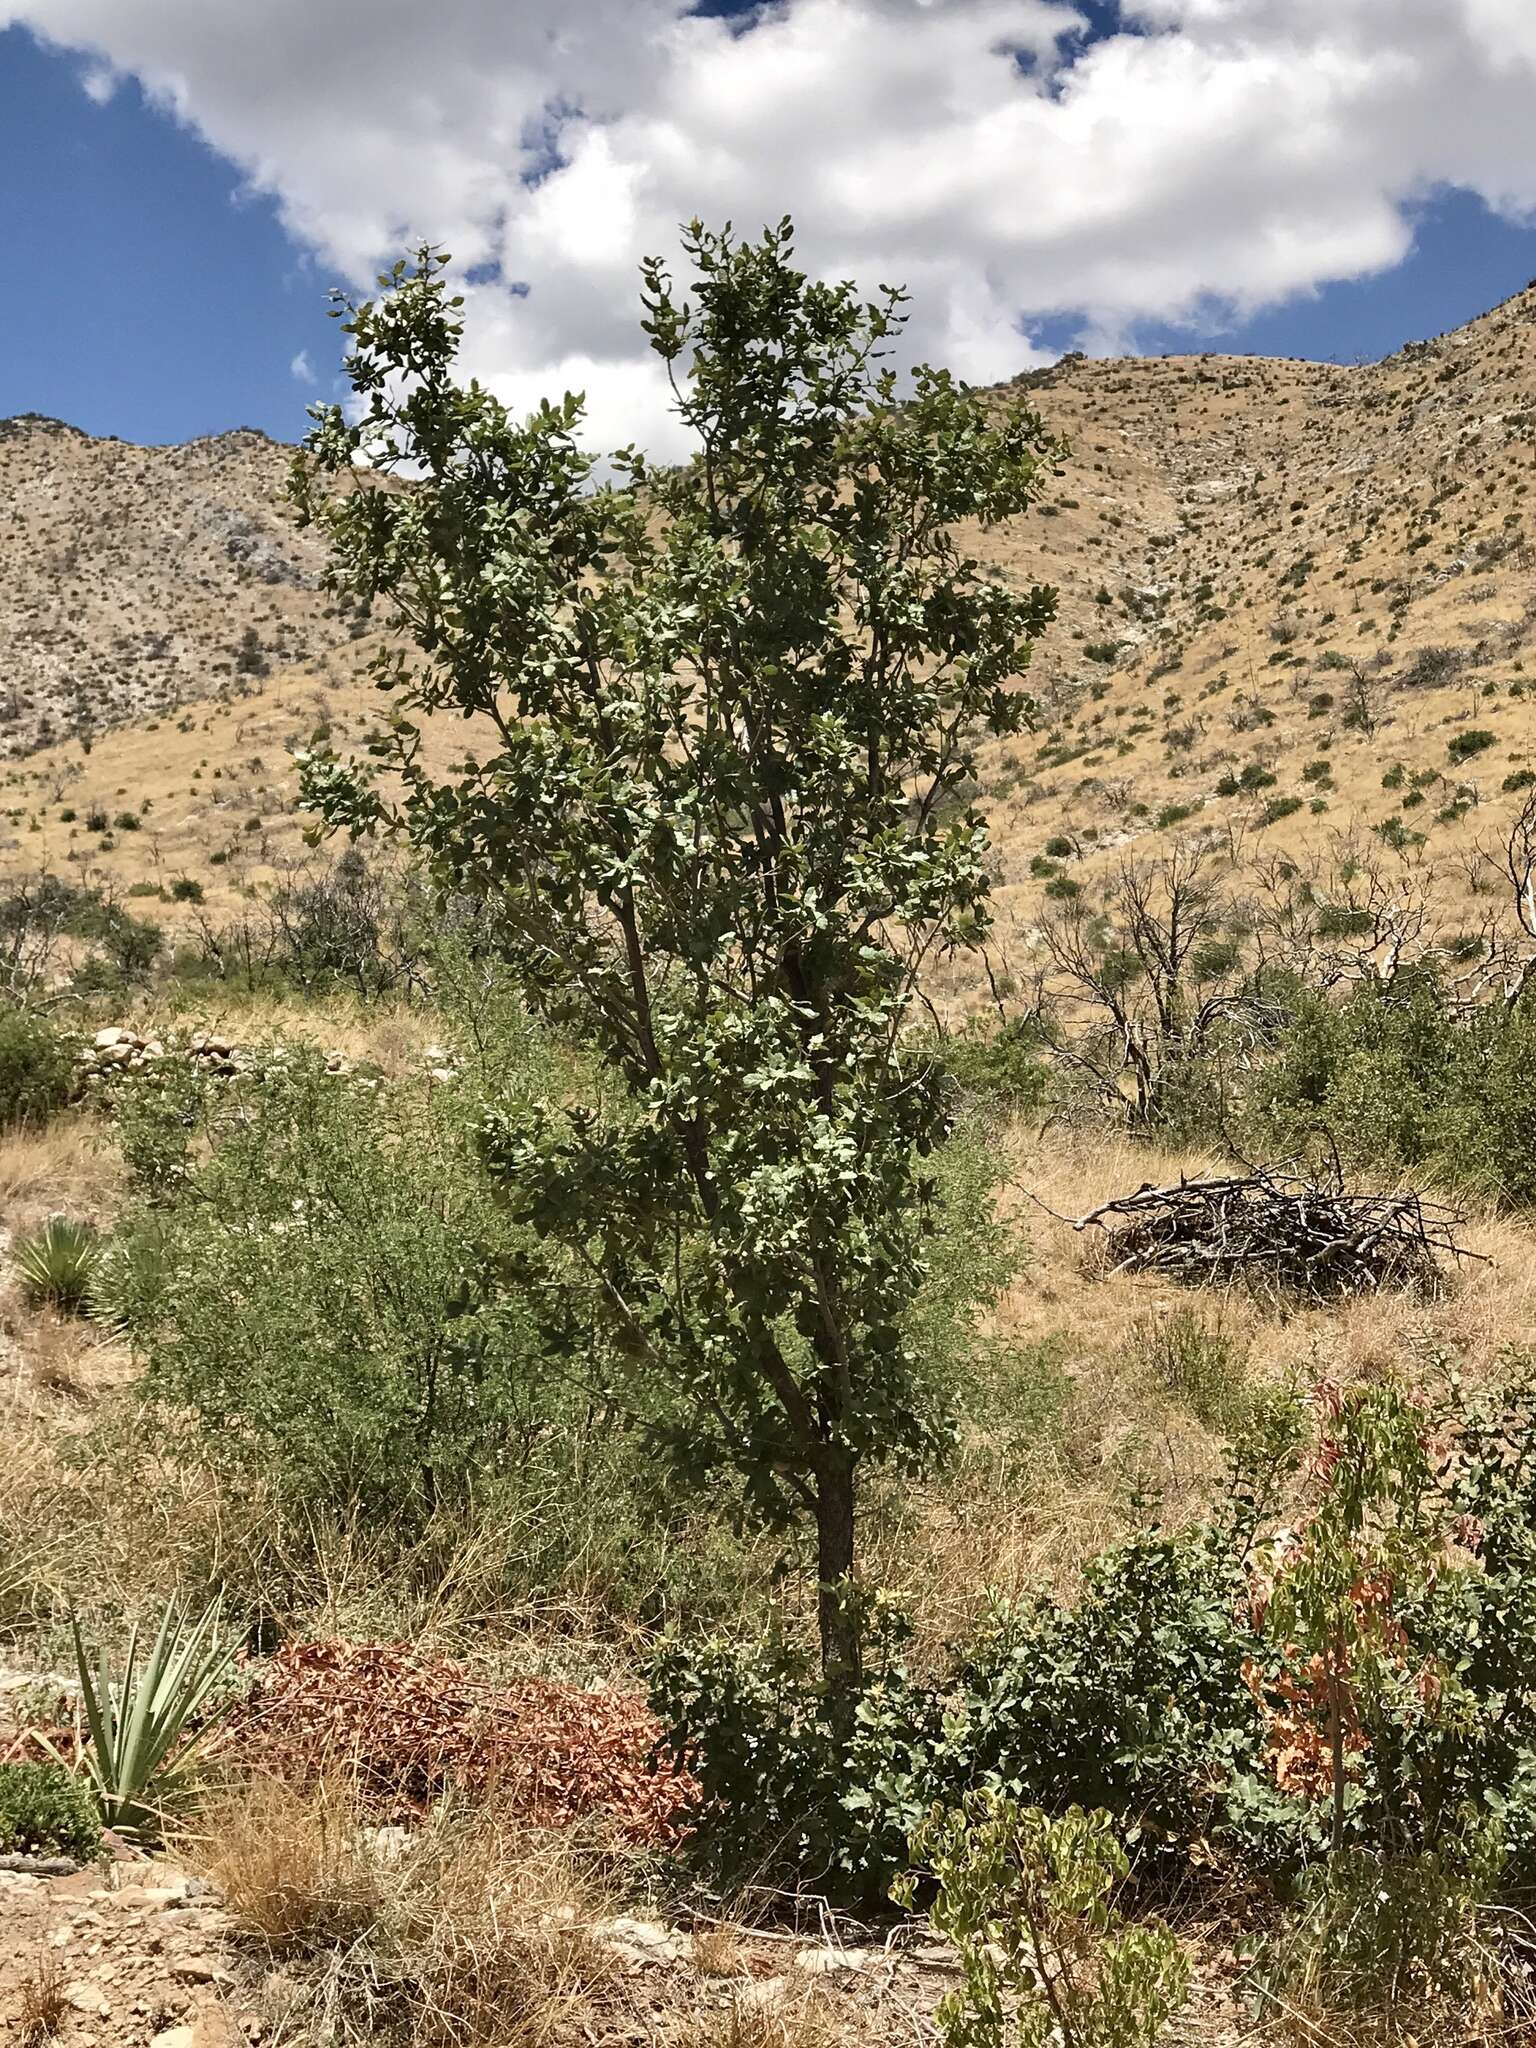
(291, 1862)
(65, 1166)
(471, 1933)
(42, 2007)
(1119, 1444)
(805, 2019)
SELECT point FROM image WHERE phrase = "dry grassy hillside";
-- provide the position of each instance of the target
(138, 579)
(1296, 608)
(1280, 583)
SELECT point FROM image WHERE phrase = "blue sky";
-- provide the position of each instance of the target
(152, 300)
(155, 295)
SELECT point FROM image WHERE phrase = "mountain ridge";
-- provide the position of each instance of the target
(1253, 555)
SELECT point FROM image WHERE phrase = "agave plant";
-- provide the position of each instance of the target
(58, 1264)
(141, 1758)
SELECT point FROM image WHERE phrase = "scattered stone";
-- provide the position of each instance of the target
(87, 1998)
(831, 1962)
(201, 1970)
(644, 1941)
(148, 1895)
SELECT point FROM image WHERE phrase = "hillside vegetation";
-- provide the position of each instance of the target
(1284, 569)
(807, 1430)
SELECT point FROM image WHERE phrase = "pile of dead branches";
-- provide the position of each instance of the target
(1280, 1232)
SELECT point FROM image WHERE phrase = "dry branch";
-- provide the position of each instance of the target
(1280, 1231)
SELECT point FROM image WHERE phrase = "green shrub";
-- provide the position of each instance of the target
(1473, 741)
(1180, 1693)
(792, 1792)
(1044, 1955)
(36, 1071)
(1340, 921)
(1398, 1077)
(1386, 1934)
(122, 946)
(1006, 1064)
(1280, 807)
(335, 1296)
(57, 1265)
(1195, 1359)
(1372, 1071)
(1132, 1700)
(1484, 1129)
(45, 1810)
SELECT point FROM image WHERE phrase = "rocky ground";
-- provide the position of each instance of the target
(129, 1952)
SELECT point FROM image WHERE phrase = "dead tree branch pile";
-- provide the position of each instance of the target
(1281, 1232)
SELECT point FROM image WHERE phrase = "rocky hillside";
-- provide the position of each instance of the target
(133, 580)
(1295, 598)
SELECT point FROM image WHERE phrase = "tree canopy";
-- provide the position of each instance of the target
(722, 723)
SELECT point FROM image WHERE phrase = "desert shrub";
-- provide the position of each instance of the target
(1484, 1133)
(1396, 1077)
(792, 1789)
(1196, 1360)
(34, 912)
(45, 1810)
(1343, 921)
(370, 927)
(1432, 666)
(971, 1255)
(1044, 1955)
(1132, 1699)
(36, 1070)
(333, 1295)
(1473, 741)
(1202, 1686)
(1390, 1935)
(1007, 1065)
(1372, 1072)
(57, 1265)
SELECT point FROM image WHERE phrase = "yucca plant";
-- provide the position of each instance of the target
(140, 1758)
(58, 1264)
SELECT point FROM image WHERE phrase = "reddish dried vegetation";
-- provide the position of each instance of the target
(407, 1728)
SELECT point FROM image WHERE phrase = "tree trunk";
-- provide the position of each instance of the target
(841, 1659)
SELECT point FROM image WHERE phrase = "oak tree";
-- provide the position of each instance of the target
(722, 721)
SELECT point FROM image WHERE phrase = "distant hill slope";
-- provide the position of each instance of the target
(1296, 599)
(133, 580)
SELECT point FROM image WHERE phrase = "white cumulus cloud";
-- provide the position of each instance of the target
(301, 369)
(1212, 157)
